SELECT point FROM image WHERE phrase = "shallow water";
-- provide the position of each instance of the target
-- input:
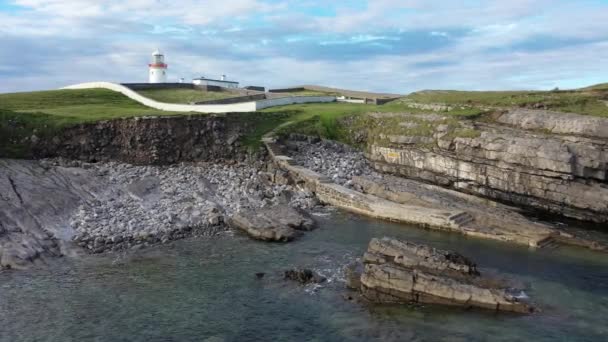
(206, 289)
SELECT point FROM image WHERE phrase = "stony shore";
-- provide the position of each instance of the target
(354, 185)
(113, 206)
(48, 205)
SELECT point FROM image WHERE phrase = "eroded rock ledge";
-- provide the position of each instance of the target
(150, 140)
(403, 272)
(545, 161)
(339, 175)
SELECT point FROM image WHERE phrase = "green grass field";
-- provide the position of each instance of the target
(586, 101)
(22, 114)
(75, 106)
(601, 86)
(322, 119)
(185, 95)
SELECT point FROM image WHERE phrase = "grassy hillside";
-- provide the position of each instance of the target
(74, 106)
(587, 101)
(322, 119)
(43, 112)
(321, 90)
(23, 114)
(598, 87)
(182, 95)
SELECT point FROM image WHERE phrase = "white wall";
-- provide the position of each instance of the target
(351, 101)
(250, 106)
(216, 83)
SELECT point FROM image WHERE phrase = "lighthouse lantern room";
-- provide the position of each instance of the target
(157, 70)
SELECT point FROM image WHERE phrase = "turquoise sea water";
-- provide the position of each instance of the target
(206, 289)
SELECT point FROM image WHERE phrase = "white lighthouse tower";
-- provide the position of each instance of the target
(157, 70)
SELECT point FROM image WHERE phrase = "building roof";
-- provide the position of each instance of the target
(210, 79)
(157, 53)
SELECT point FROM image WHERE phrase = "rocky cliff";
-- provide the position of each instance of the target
(538, 160)
(149, 140)
(94, 200)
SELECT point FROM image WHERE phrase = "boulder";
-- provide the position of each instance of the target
(279, 223)
(403, 272)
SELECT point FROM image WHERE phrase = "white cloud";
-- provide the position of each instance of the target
(64, 41)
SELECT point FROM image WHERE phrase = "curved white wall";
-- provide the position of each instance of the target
(251, 106)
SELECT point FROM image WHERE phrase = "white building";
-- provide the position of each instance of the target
(219, 83)
(157, 70)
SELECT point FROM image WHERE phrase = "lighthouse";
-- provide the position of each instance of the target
(157, 70)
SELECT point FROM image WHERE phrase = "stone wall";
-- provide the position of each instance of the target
(286, 90)
(342, 197)
(250, 106)
(172, 107)
(236, 99)
(146, 86)
(283, 101)
(384, 101)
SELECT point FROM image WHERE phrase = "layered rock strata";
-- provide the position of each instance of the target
(564, 174)
(340, 175)
(149, 140)
(403, 272)
(349, 199)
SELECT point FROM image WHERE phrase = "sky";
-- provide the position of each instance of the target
(396, 46)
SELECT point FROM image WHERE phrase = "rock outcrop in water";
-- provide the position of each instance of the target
(403, 272)
(303, 276)
(279, 223)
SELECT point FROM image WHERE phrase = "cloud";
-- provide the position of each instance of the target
(384, 45)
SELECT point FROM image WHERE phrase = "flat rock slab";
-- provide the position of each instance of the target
(403, 272)
(279, 223)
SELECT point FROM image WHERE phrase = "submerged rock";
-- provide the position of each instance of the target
(304, 276)
(403, 272)
(352, 275)
(279, 223)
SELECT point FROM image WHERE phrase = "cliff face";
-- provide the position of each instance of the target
(522, 157)
(149, 141)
